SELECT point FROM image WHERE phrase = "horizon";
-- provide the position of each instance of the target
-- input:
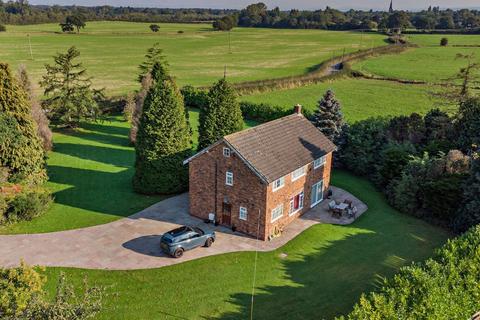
(411, 5)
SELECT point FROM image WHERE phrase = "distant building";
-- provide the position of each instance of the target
(391, 7)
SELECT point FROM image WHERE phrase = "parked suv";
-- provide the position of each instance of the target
(177, 241)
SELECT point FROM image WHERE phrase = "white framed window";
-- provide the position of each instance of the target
(277, 213)
(297, 174)
(229, 178)
(243, 213)
(279, 183)
(227, 152)
(296, 203)
(319, 162)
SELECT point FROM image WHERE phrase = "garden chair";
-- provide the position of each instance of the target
(331, 205)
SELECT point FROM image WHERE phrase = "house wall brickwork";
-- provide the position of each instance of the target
(209, 191)
(291, 188)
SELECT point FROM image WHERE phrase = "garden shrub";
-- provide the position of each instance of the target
(262, 112)
(28, 204)
(3, 208)
(22, 297)
(364, 141)
(194, 98)
(393, 159)
(18, 286)
(444, 287)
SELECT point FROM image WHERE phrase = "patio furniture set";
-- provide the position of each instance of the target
(339, 209)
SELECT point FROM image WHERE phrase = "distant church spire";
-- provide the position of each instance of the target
(391, 7)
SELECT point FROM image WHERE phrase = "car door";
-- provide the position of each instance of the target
(196, 240)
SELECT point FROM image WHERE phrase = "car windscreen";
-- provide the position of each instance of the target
(199, 231)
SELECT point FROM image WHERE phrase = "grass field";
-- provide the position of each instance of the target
(430, 62)
(90, 173)
(360, 98)
(326, 269)
(111, 51)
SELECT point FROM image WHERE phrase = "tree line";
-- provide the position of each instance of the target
(258, 15)
(21, 12)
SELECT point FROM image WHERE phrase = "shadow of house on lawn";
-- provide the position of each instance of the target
(325, 283)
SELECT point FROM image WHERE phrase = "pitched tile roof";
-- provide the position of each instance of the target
(279, 147)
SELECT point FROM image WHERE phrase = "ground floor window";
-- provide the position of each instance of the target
(277, 213)
(317, 193)
(296, 203)
(243, 213)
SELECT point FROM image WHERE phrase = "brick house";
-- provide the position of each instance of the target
(261, 179)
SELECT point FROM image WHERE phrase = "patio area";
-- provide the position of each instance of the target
(133, 242)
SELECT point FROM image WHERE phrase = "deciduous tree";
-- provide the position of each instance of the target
(38, 114)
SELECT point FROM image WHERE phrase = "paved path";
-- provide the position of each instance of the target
(133, 242)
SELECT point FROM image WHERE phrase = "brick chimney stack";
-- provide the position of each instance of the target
(297, 109)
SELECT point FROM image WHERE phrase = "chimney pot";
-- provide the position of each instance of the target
(297, 109)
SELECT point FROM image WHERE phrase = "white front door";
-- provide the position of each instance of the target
(317, 193)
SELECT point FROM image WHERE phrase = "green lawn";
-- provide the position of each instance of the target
(360, 98)
(326, 270)
(111, 51)
(90, 173)
(429, 62)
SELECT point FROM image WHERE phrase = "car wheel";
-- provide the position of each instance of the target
(178, 253)
(209, 242)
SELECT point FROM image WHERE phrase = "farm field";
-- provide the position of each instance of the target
(360, 98)
(326, 269)
(112, 51)
(90, 173)
(430, 62)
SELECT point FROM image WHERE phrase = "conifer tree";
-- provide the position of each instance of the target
(69, 96)
(23, 156)
(155, 63)
(329, 118)
(222, 116)
(163, 142)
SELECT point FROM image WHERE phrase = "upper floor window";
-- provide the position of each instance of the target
(277, 184)
(297, 174)
(243, 213)
(226, 152)
(319, 162)
(277, 213)
(229, 178)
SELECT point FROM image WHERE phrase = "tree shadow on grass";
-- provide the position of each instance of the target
(98, 191)
(328, 282)
(114, 156)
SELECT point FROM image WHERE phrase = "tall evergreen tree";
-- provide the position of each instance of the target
(163, 142)
(329, 118)
(69, 94)
(222, 116)
(155, 63)
(23, 155)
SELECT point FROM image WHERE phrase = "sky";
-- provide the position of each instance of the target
(283, 4)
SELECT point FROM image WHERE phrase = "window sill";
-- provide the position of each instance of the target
(295, 212)
(303, 175)
(276, 219)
